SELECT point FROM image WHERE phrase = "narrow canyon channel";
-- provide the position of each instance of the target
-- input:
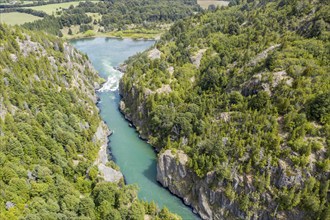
(136, 158)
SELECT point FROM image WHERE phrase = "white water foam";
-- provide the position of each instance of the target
(112, 82)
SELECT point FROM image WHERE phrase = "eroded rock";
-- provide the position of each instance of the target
(207, 195)
(101, 136)
(196, 59)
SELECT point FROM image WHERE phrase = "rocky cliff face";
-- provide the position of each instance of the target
(101, 136)
(136, 117)
(209, 197)
(209, 203)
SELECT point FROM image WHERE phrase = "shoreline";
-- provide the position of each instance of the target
(104, 155)
(113, 158)
(113, 36)
(132, 125)
(110, 37)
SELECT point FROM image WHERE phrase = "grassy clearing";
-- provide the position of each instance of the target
(74, 29)
(14, 18)
(205, 3)
(51, 8)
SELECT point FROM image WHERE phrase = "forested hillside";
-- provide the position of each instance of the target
(116, 15)
(50, 136)
(244, 92)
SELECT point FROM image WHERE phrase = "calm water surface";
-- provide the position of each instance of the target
(136, 158)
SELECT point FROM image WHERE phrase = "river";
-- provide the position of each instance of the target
(136, 158)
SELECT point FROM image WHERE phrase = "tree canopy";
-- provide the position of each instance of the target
(48, 119)
(247, 93)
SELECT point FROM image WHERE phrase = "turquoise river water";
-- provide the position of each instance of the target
(136, 158)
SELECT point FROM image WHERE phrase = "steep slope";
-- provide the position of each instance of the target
(51, 133)
(237, 103)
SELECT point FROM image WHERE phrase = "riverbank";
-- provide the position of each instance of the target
(162, 169)
(136, 159)
(101, 137)
(128, 34)
(170, 168)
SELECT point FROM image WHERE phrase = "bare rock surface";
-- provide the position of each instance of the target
(27, 46)
(154, 54)
(101, 136)
(263, 55)
(207, 195)
(9, 205)
(196, 59)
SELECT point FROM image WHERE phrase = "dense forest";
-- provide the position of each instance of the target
(48, 121)
(116, 15)
(244, 91)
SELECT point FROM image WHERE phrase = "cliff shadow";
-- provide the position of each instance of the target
(151, 173)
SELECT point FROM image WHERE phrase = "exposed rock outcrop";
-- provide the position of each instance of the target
(122, 68)
(154, 54)
(196, 59)
(265, 81)
(101, 136)
(173, 174)
(208, 196)
(9, 205)
(133, 117)
(263, 55)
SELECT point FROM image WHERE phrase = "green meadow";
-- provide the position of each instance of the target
(18, 18)
(51, 8)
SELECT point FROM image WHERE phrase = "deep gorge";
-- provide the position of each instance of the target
(136, 158)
